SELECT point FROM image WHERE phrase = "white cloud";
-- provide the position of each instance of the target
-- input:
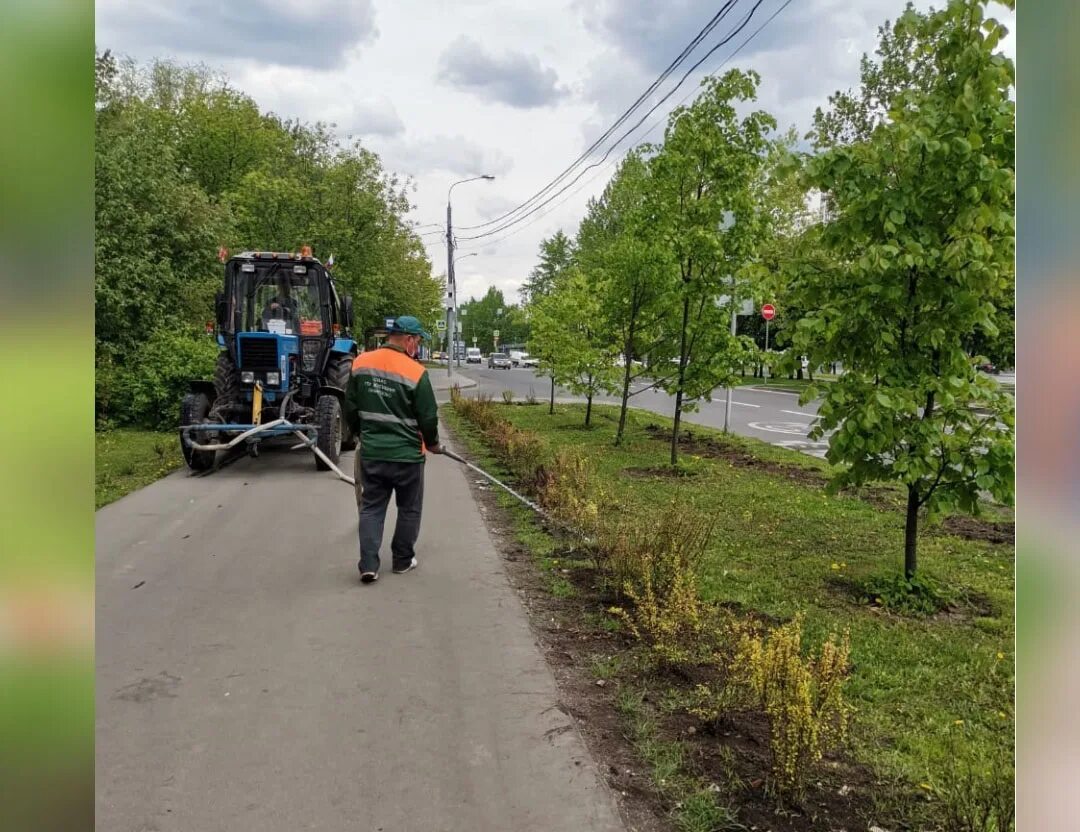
(313, 33)
(512, 78)
(559, 74)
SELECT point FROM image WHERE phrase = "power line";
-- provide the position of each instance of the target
(649, 130)
(653, 109)
(682, 56)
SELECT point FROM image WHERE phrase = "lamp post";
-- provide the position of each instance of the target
(450, 284)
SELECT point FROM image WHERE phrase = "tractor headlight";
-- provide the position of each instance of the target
(273, 379)
(247, 377)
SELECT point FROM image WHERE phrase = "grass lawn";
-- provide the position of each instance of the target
(928, 690)
(126, 460)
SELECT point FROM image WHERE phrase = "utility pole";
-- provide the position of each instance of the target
(451, 286)
(451, 293)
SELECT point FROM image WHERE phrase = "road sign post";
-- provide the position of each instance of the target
(768, 312)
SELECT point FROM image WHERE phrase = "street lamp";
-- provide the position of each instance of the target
(451, 285)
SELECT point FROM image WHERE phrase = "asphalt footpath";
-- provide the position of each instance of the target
(246, 680)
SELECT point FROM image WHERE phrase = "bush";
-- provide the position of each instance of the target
(146, 391)
(802, 698)
(919, 595)
(654, 563)
(508, 396)
(567, 489)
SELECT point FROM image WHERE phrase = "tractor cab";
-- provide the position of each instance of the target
(279, 319)
(286, 356)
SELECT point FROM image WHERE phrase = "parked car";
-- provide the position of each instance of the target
(523, 359)
(473, 356)
(499, 361)
(989, 368)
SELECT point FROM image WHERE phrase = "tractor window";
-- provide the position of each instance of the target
(277, 299)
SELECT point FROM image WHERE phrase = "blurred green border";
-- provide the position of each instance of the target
(46, 457)
(1048, 245)
(46, 291)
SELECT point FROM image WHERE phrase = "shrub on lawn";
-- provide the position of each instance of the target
(801, 696)
(917, 595)
(508, 396)
(654, 563)
(567, 489)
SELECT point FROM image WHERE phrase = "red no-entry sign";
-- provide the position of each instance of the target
(768, 311)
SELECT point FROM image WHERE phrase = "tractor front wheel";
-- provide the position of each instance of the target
(194, 408)
(328, 422)
(337, 373)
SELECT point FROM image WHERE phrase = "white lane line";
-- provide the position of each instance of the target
(799, 413)
(774, 392)
(746, 404)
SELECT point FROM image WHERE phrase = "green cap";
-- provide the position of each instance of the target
(409, 325)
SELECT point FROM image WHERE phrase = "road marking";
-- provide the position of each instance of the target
(746, 404)
(799, 413)
(795, 428)
(775, 392)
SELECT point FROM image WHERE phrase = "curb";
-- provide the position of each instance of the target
(442, 384)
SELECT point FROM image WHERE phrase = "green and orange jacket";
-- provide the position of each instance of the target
(390, 405)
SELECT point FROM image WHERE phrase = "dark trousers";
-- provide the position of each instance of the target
(377, 480)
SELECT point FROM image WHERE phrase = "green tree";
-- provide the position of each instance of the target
(920, 241)
(705, 214)
(627, 270)
(185, 164)
(556, 255)
(905, 65)
(569, 339)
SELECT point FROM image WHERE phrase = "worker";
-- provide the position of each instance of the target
(281, 306)
(390, 405)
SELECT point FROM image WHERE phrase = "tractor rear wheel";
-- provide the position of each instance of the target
(194, 408)
(328, 421)
(338, 371)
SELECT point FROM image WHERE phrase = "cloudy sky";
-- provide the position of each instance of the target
(512, 88)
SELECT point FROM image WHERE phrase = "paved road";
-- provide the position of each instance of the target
(774, 416)
(247, 681)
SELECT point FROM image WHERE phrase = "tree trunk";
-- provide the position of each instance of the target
(551, 405)
(627, 370)
(682, 379)
(588, 411)
(911, 532)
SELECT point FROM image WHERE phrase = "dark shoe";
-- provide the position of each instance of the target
(401, 570)
(369, 577)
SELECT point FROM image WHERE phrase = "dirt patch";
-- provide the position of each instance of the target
(738, 458)
(732, 753)
(978, 528)
(659, 472)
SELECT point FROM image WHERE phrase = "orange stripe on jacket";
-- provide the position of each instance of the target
(391, 361)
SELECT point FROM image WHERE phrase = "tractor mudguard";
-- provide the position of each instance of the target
(330, 390)
(205, 387)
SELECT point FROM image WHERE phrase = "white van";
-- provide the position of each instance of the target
(473, 356)
(522, 359)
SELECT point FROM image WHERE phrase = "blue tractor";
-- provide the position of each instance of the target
(285, 360)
